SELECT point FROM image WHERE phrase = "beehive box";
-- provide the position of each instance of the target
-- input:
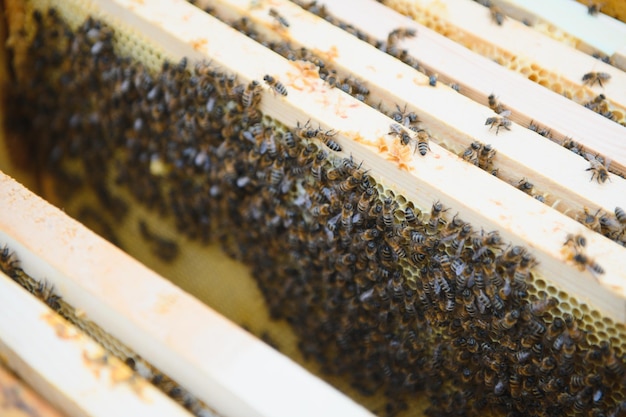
(368, 251)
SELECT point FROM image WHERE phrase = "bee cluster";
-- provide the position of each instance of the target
(395, 299)
(611, 225)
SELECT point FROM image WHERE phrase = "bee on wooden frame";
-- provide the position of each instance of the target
(593, 77)
(497, 15)
(432, 80)
(251, 95)
(494, 104)
(422, 142)
(279, 19)
(327, 138)
(594, 8)
(583, 261)
(398, 34)
(501, 120)
(598, 170)
(275, 84)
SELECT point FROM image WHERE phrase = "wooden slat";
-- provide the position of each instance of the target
(599, 33)
(66, 367)
(216, 360)
(453, 118)
(480, 198)
(518, 46)
(19, 400)
(479, 77)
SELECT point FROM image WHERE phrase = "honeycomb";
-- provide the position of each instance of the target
(532, 70)
(396, 300)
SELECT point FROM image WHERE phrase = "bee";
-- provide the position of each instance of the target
(598, 170)
(436, 216)
(327, 138)
(456, 87)
(525, 185)
(573, 146)
(306, 131)
(404, 118)
(486, 242)
(620, 215)
(471, 153)
(575, 241)
(501, 120)
(166, 249)
(281, 20)
(422, 142)
(275, 84)
(593, 77)
(398, 34)
(398, 131)
(539, 307)
(485, 156)
(432, 80)
(494, 104)
(582, 261)
(251, 95)
(589, 220)
(497, 15)
(593, 9)
(509, 320)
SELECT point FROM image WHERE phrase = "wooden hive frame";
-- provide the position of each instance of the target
(176, 30)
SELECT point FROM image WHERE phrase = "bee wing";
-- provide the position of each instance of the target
(505, 113)
(590, 157)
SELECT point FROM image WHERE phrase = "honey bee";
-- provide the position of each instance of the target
(598, 170)
(403, 117)
(398, 34)
(275, 84)
(501, 120)
(486, 242)
(494, 104)
(432, 80)
(582, 261)
(593, 77)
(497, 15)
(575, 241)
(398, 131)
(573, 146)
(485, 156)
(539, 307)
(327, 138)
(279, 19)
(306, 131)
(620, 215)
(422, 142)
(251, 95)
(593, 8)
(436, 216)
(525, 185)
(471, 153)
(589, 220)
(509, 320)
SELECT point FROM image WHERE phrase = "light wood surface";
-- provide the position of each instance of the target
(591, 33)
(68, 369)
(216, 360)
